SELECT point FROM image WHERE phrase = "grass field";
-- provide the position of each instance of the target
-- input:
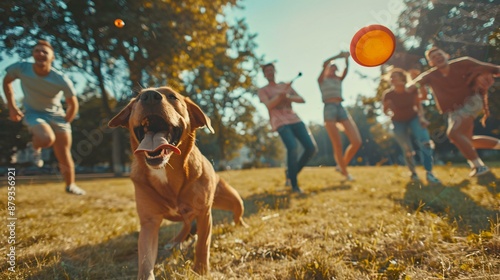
(379, 227)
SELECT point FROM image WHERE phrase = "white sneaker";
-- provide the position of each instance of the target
(478, 171)
(35, 155)
(349, 178)
(74, 189)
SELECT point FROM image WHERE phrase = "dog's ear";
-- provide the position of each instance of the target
(196, 116)
(121, 119)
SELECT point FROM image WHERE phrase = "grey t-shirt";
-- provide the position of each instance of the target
(42, 93)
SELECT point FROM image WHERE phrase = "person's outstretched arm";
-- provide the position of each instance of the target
(327, 62)
(346, 55)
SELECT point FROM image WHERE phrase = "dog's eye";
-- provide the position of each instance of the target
(172, 97)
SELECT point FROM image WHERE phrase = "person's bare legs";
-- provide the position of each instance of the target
(460, 134)
(485, 142)
(43, 136)
(334, 135)
(352, 133)
(62, 151)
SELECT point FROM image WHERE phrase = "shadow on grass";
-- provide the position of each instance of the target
(112, 259)
(490, 181)
(343, 186)
(116, 257)
(274, 201)
(449, 201)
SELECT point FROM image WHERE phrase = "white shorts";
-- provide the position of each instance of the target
(472, 107)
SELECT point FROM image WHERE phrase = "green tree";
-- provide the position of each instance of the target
(461, 27)
(266, 147)
(161, 40)
(324, 156)
(389, 148)
(223, 87)
(363, 114)
(93, 139)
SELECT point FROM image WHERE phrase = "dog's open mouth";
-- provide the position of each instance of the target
(158, 140)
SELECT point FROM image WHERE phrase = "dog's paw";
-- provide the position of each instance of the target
(243, 224)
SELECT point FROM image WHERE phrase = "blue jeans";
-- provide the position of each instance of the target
(289, 134)
(402, 132)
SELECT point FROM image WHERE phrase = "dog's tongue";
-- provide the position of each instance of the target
(155, 141)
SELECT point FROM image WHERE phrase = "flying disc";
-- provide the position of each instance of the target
(119, 23)
(373, 45)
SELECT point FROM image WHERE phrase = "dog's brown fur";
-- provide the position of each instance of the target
(184, 187)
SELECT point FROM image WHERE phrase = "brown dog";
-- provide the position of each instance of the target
(172, 179)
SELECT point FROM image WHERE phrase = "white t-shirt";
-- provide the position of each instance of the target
(42, 93)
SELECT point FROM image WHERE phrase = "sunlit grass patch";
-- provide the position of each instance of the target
(380, 226)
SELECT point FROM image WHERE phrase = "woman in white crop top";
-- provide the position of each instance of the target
(336, 116)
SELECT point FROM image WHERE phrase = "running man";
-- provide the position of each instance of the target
(48, 122)
(460, 95)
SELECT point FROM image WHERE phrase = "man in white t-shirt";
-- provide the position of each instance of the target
(43, 89)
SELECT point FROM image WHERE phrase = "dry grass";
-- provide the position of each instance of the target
(378, 227)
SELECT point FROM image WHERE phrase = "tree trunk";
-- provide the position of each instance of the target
(116, 147)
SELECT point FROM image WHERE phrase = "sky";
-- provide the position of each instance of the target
(300, 34)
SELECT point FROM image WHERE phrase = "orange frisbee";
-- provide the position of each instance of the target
(373, 45)
(119, 23)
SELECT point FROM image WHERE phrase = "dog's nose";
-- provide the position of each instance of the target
(151, 97)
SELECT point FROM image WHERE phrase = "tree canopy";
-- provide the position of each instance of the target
(189, 45)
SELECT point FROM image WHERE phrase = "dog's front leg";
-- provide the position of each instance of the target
(202, 254)
(148, 247)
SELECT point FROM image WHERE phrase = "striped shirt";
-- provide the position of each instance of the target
(331, 88)
(281, 114)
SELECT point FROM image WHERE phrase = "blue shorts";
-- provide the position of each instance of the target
(55, 120)
(335, 112)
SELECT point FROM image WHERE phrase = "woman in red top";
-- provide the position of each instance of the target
(406, 114)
